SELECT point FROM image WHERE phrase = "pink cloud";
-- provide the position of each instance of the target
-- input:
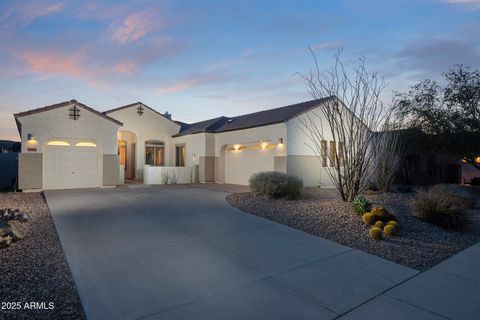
(195, 81)
(137, 25)
(125, 67)
(53, 63)
(325, 45)
(95, 63)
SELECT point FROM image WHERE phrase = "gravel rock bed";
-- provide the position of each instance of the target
(419, 245)
(34, 269)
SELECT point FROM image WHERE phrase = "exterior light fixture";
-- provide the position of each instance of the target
(264, 145)
(236, 147)
(30, 136)
(280, 140)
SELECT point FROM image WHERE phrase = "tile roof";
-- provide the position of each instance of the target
(252, 120)
(64, 104)
(203, 126)
(135, 104)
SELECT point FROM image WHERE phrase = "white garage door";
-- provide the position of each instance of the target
(70, 165)
(241, 164)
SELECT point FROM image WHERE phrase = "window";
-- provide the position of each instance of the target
(122, 152)
(180, 156)
(323, 145)
(58, 143)
(154, 153)
(85, 144)
(341, 155)
(333, 153)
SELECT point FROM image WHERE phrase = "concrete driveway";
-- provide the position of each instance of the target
(184, 253)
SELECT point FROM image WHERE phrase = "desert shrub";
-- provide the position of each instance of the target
(376, 233)
(276, 184)
(382, 214)
(390, 230)
(439, 207)
(459, 193)
(379, 224)
(361, 205)
(368, 218)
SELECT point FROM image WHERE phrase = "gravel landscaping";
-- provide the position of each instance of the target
(419, 245)
(34, 268)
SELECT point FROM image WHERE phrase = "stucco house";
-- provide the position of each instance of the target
(71, 145)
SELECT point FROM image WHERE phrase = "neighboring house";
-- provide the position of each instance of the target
(8, 163)
(70, 145)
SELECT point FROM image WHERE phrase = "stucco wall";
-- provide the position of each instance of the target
(280, 164)
(111, 170)
(310, 170)
(195, 147)
(299, 143)
(207, 169)
(30, 171)
(157, 175)
(56, 124)
(149, 126)
(301, 159)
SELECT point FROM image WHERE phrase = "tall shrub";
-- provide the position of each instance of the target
(276, 184)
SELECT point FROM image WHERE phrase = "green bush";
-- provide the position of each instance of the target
(368, 218)
(382, 214)
(440, 207)
(376, 233)
(361, 205)
(276, 184)
(390, 230)
(462, 195)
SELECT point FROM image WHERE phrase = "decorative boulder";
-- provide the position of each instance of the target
(11, 232)
(5, 241)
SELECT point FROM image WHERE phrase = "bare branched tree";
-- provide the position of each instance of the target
(349, 119)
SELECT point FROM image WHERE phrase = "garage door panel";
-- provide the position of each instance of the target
(241, 164)
(71, 167)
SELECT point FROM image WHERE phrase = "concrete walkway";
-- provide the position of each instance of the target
(184, 253)
(450, 290)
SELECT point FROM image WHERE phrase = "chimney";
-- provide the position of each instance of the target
(167, 115)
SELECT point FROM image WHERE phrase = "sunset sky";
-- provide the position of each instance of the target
(203, 59)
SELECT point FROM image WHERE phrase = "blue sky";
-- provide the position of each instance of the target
(202, 59)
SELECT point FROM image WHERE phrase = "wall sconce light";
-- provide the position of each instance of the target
(30, 136)
(280, 140)
(263, 145)
(236, 147)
